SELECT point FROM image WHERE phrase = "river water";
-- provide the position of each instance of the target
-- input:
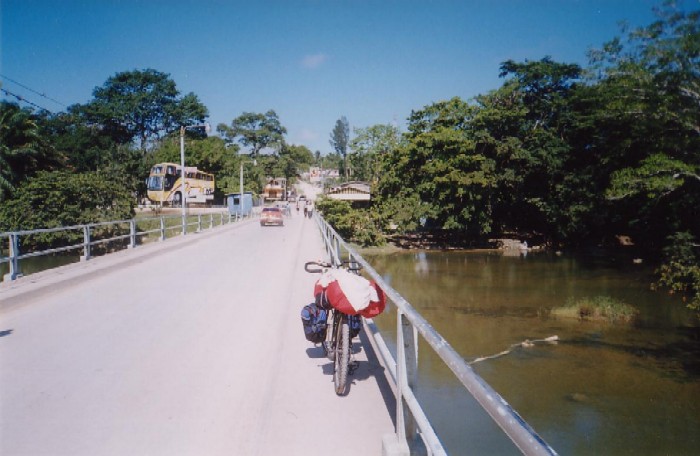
(603, 388)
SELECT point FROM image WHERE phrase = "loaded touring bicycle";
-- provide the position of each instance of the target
(341, 298)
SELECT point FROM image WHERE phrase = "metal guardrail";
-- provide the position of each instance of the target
(411, 421)
(127, 229)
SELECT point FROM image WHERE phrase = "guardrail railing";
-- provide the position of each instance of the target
(130, 232)
(411, 421)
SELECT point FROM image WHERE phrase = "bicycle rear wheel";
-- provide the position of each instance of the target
(342, 358)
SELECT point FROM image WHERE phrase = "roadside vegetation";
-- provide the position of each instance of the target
(571, 156)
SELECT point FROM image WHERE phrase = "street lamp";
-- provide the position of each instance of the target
(240, 197)
(183, 187)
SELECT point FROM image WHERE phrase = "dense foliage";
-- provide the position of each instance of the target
(60, 198)
(680, 271)
(357, 226)
(572, 155)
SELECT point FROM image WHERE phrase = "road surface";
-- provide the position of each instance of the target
(193, 346)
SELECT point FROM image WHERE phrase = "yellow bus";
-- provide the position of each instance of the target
(164, 184)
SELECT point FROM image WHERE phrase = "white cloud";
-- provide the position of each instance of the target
(313, 61)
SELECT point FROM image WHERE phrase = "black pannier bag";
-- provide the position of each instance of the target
(315, 322)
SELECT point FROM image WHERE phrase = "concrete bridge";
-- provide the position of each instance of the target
(192, 346)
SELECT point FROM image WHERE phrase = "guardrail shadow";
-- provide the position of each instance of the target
(371, 369)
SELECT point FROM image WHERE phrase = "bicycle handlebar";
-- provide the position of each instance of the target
(322, 265)
(325, 265)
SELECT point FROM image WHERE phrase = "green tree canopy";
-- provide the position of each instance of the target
(254, 131)
(141, 105)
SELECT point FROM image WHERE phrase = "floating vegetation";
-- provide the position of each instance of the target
(597, 308)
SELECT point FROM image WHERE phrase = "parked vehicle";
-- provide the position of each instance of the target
(271, 216)
(342, 297)
(164, 185)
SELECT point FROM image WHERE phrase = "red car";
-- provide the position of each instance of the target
(271, 216)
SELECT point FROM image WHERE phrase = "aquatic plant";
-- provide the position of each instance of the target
(597, 308)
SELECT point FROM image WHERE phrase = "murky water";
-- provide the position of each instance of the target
(602, 389)
(37, 264)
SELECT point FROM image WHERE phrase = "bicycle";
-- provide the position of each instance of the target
(338, 341)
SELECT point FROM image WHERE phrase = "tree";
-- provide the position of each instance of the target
(440, 172)
(23, 150)
(340, 138)
(367, 147)
(648, 86)
(532, 147)
(680, 270)
(254, 131)
(59, 198)
(141, 105)
(292, 158)
(86, 147)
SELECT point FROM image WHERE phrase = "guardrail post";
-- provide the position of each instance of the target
(162, 228)
(132, 229)
(199, 223)
(86, 243)
(13, 240)
(211, 221)
(397, 445)
(410, 342)
(337, 249)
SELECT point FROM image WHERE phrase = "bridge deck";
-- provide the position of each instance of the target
(193, 346)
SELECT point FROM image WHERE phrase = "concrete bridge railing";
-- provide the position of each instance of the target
(412, 425)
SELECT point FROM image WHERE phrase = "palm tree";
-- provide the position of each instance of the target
(23, 151)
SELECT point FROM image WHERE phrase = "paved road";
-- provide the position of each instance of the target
(193, 346)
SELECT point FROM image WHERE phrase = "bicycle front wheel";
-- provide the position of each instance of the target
(342, 358)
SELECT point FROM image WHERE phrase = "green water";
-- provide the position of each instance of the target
(602, 389)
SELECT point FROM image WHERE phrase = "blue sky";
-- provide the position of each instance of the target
(311, 61)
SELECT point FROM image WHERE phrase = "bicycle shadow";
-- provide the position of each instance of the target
(362, 370)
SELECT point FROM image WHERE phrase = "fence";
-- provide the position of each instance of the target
(411, 421)
(128, 233)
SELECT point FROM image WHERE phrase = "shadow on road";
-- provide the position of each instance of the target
(362, 371)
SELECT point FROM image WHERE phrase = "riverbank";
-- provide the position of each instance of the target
(445, 240)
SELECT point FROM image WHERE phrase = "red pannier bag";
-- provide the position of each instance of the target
(350, 293)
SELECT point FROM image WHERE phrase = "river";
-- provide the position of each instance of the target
(603, 388)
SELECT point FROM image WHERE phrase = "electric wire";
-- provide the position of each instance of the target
(43, 95)
(22, 99)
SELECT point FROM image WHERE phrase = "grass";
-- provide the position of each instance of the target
(597, 308)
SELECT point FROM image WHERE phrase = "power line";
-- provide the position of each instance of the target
(43, 95)
(22, 99)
